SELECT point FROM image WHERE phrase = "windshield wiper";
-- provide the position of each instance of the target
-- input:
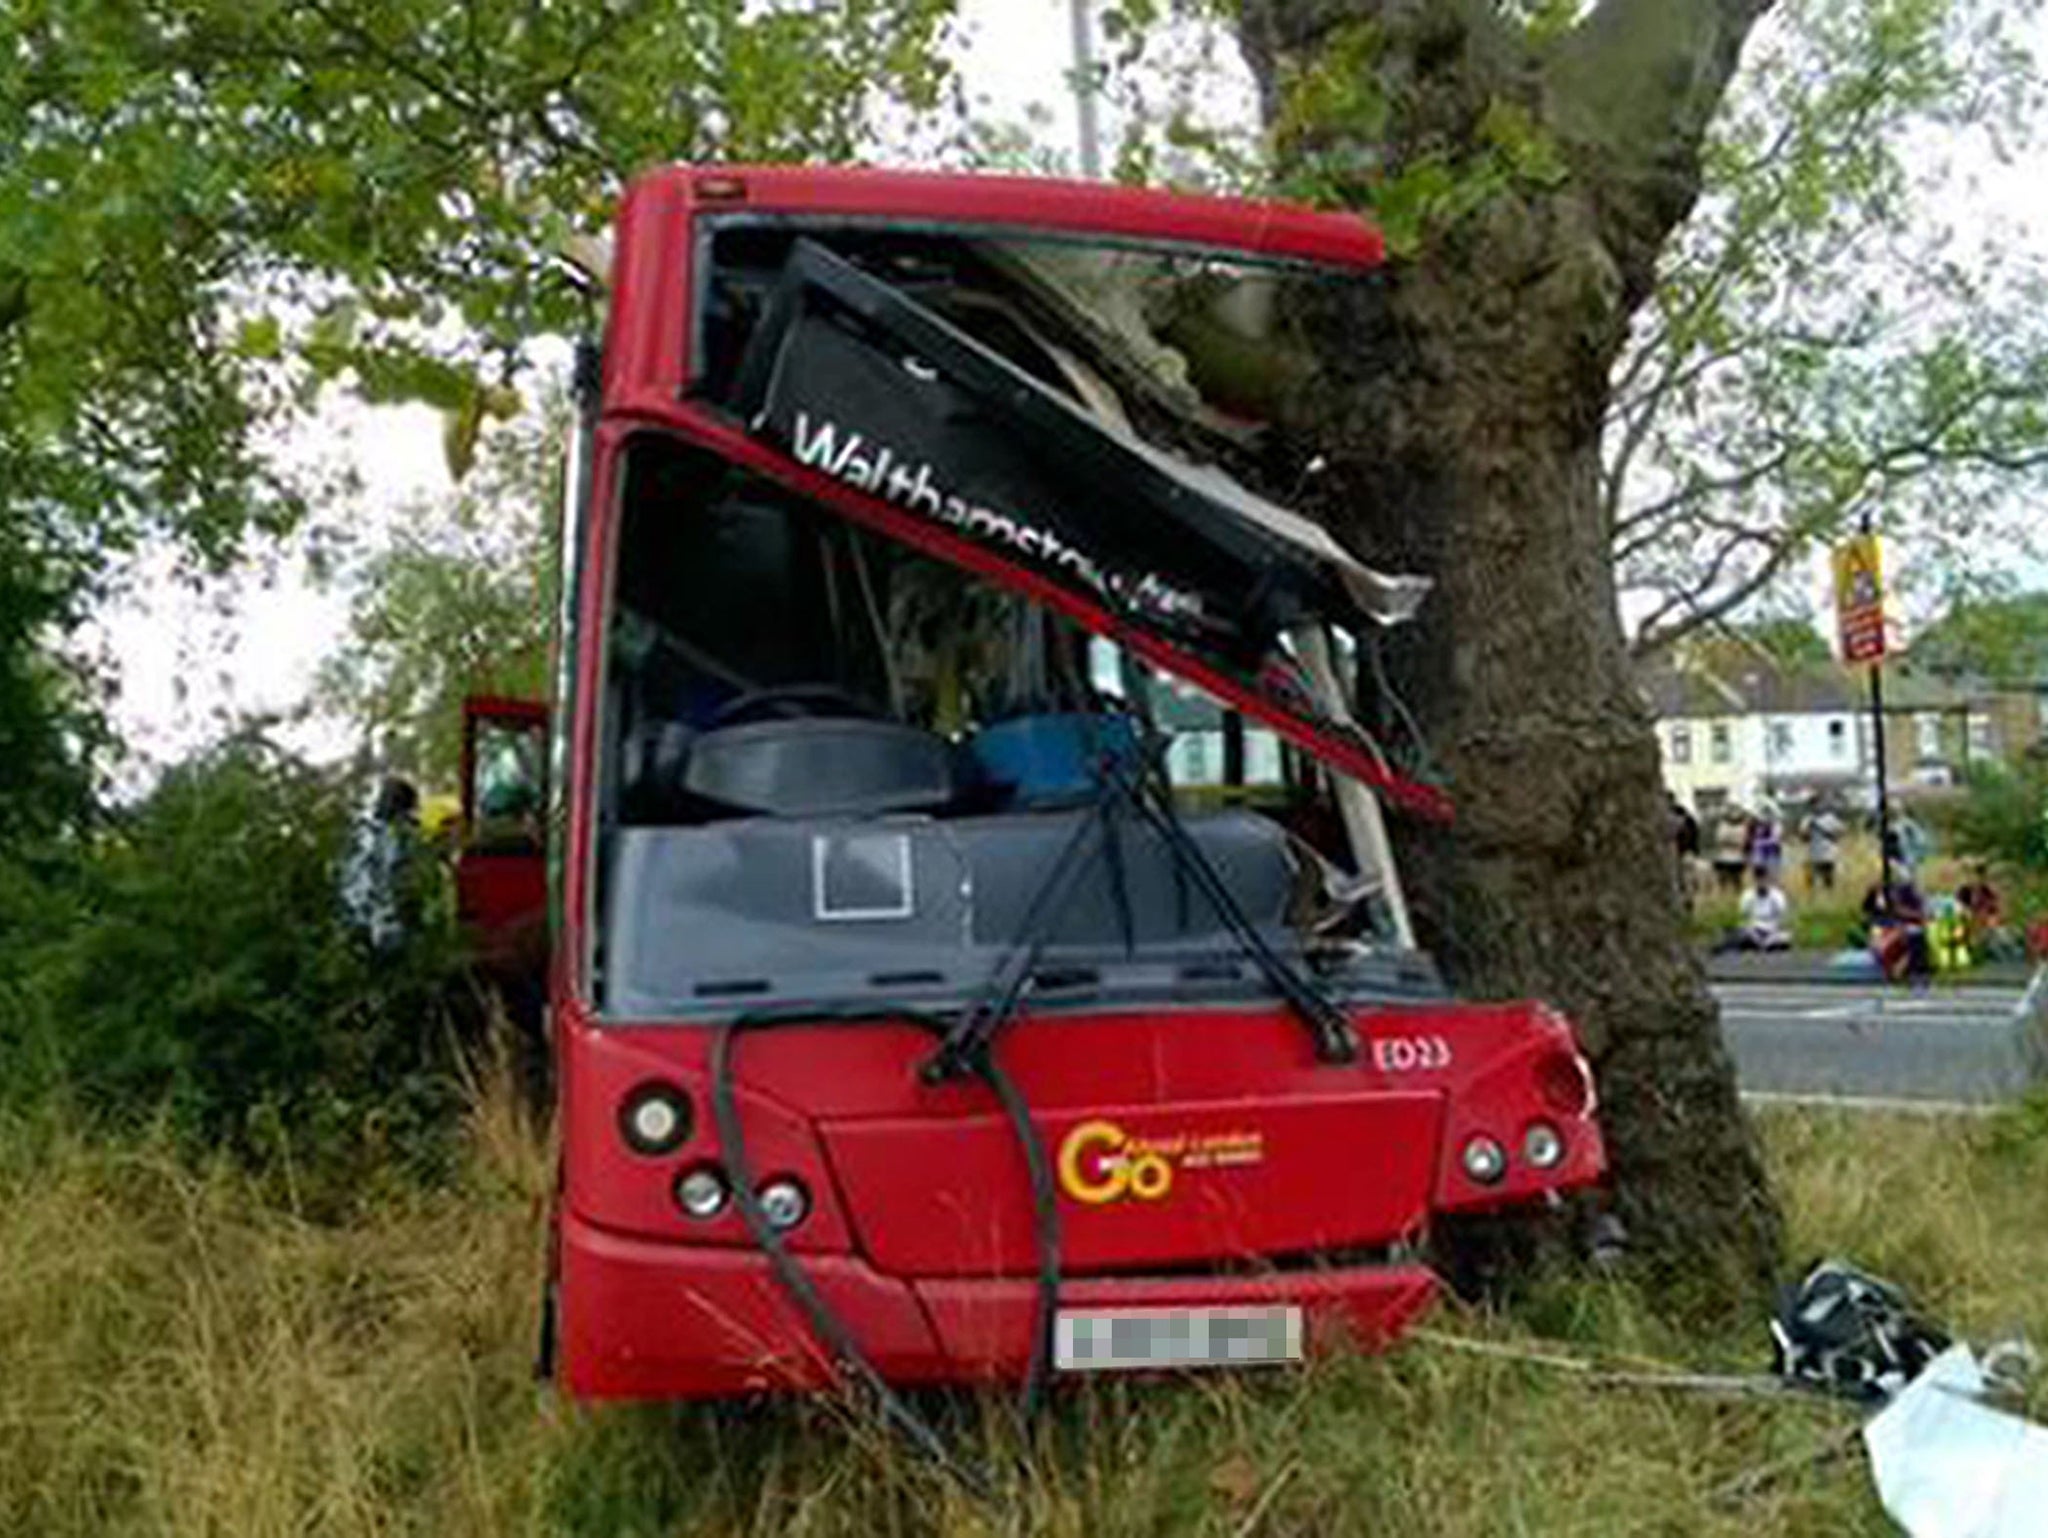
(966, 1044)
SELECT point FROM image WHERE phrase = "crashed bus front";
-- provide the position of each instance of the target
(979, 952)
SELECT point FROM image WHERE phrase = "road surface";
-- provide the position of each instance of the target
(1955, 1046)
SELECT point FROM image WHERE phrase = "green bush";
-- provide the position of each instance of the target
(2002, 817)
(191, 965)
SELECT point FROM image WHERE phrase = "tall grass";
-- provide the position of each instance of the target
(1827, 918)
(182, 1355)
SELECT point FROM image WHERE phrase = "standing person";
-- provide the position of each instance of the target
(1914, 843)
(1685, 828)
(1768, 850)
(1685, 838)
(1730, 843)
(1823, 848)
(379, 881)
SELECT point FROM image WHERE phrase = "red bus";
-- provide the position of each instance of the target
(977, 952)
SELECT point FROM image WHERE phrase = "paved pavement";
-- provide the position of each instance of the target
(1949, 1046)
(1820, 967)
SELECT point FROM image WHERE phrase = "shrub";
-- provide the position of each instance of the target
(2003, 817)
(192, 965)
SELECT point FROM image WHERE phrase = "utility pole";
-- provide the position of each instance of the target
(1085, 104)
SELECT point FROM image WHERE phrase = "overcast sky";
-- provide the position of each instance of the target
(188, 660)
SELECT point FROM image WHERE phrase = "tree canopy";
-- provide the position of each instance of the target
(210, 210)
(1827, 334)
(1783, 638)
(2004, 639)
(1827, 339)
(456, 600)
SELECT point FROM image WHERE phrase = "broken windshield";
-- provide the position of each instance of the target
(839, 770)
(1064, 411)
(977, 642)
(1040, 397)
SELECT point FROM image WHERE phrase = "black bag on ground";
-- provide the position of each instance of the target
(1846, 1332)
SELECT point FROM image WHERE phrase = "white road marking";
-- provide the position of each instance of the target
(1877, 1103)
(1936, 1024)
(1861, 990)
(1836, 998)
(1937, 1012)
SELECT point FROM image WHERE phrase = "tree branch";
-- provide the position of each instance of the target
(1660, 512)
(1884, 470)
(1638, 418)
(1415, 41)
(1708, 286)
(348, 27)
(1655, 636)
(1633, 88)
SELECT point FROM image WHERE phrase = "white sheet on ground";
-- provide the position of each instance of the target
(1949, 1466)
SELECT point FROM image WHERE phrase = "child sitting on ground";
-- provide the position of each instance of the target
(1897, 916)
(1765, 918)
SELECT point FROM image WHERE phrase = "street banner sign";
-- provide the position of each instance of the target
(1859, 598)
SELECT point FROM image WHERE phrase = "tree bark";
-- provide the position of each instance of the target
(1459, 407)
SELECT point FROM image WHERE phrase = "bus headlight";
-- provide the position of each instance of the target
(1485, 1160)
(785, 1203)
(1543, 1145)
(655, 1119)
(702, 1192)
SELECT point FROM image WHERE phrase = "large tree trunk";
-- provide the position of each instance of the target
(1460, 408)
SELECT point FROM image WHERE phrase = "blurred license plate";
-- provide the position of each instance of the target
(1132, 1339)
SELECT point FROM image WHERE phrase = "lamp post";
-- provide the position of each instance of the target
(1083, 28)
(1884, 795)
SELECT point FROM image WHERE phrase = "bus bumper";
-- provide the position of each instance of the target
(642, 1319)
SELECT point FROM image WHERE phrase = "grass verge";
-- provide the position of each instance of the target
(1828, 919)
(183, 1356)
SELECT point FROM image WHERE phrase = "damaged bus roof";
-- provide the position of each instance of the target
(934, 357)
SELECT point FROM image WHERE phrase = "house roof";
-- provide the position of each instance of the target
(1812, 689)
(1910, 688)
(1680, 688)
(1679, 692)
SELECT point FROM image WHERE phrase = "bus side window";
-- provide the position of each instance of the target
(508, 788)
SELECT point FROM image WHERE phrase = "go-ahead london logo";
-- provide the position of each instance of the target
(1100, 1163)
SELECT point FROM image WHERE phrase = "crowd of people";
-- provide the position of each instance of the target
(1744, 842)
(1907, 934)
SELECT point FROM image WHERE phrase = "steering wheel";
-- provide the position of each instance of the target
(793, 700)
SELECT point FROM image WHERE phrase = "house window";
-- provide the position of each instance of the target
(1781, 739)
(1722, 743)
(1838, 739)
(1681, 744)
(1927, 733)
(1983, 742)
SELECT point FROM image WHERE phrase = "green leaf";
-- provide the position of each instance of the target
(260, 339)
